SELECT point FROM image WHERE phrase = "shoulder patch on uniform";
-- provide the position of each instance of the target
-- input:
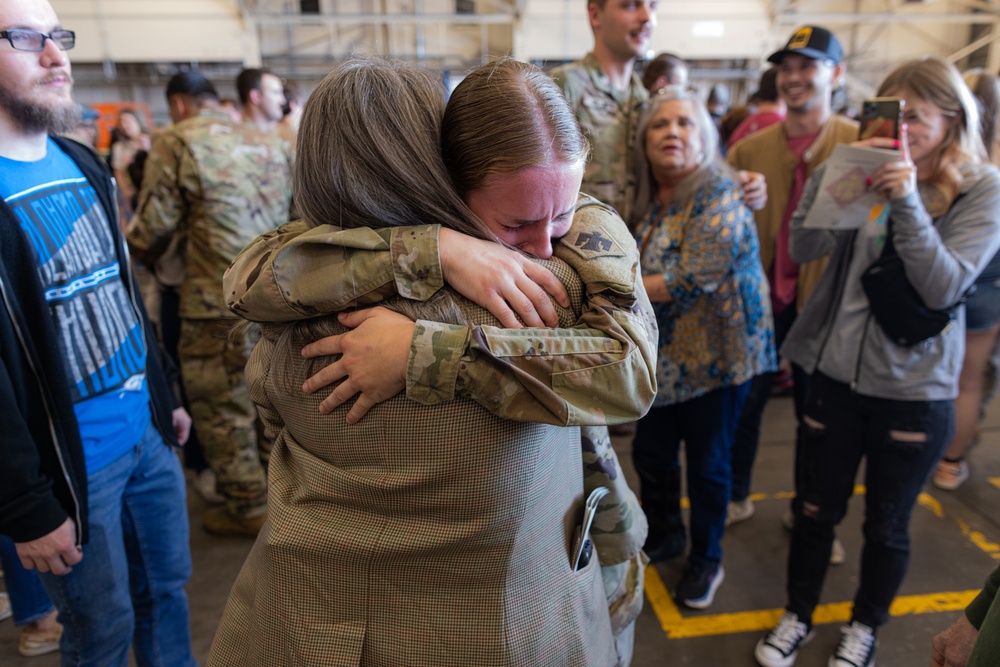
(593, 243)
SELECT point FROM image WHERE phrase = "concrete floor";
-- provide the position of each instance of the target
(956, 542)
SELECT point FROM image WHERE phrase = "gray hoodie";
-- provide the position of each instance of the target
(836, 334)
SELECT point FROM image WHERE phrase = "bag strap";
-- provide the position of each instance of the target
(889, 249)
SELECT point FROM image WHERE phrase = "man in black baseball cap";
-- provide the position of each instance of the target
(812, 42)
(809, 68)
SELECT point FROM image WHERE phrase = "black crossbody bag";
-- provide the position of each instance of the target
(896, 305)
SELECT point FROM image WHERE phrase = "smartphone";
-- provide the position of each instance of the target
(881, 117)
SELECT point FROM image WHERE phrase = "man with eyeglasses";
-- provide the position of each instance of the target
(90, 491)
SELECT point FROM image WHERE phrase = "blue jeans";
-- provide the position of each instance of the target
(28, 600)
(748, 431)
(901, 442)
(129, 586)
(707, 425)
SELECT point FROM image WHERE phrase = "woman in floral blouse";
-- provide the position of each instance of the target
(701, 269)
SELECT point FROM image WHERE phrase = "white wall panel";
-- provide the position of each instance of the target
(157, 30)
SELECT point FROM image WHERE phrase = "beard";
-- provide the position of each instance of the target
(32, 116)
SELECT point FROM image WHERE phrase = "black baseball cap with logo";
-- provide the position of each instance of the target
(812, 42)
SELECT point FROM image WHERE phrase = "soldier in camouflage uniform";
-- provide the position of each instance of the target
(219, 184)
(607, 96)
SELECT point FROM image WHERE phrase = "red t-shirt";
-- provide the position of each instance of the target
(754, 123)
(784, 273)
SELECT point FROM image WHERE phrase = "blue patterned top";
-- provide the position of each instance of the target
(718, 330)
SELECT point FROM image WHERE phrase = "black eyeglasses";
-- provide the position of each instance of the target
(32, 40)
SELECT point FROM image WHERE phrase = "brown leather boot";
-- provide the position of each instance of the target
(218, 521)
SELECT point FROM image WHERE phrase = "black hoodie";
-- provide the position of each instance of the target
(43, 477)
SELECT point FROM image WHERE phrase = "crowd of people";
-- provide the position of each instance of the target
(401, 383)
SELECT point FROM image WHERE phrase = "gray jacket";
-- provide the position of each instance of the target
(836, 333)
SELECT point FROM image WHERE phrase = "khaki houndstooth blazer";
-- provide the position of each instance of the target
(423, 535)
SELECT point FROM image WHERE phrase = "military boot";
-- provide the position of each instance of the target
(218, 521)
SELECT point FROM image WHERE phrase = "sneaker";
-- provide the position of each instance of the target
(739, 510)
(950, 475)
(39, 642)
(837, 554)
(856, 648)
(205, 484)
(698, 585)
(5, 611)
(666, 547)
(780, 647)
(218, 521)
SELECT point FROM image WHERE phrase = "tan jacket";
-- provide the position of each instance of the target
(767, 152)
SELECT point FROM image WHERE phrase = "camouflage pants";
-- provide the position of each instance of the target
(212, 363)
(619, 531)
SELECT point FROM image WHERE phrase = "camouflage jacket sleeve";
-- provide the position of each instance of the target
(296, 272)
(600, 371)
(161, 210)
(257, 369)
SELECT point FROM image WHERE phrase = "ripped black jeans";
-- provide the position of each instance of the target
(901, 442)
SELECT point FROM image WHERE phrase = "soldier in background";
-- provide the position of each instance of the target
(664, 70)
(607, 96)
(263, 98)
(219, 184)
(232, 107)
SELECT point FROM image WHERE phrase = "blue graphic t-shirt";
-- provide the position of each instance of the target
(100, 334)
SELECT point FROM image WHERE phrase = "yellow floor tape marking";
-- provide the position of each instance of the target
(676, 626)
(978, 538)
(660, 600)
(930, 502)
(995, 481)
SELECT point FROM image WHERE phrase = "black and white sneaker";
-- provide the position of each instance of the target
(856, 648)
(698, 585)
(780, 647)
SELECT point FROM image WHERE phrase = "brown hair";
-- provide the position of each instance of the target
(986, 89)
(369, 151)
(939, 83)
(505, 117)
(665, 65)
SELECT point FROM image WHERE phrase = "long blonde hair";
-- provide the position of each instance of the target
(985, 88)
(939, 83)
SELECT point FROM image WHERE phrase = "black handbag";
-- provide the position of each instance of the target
(896, 305)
